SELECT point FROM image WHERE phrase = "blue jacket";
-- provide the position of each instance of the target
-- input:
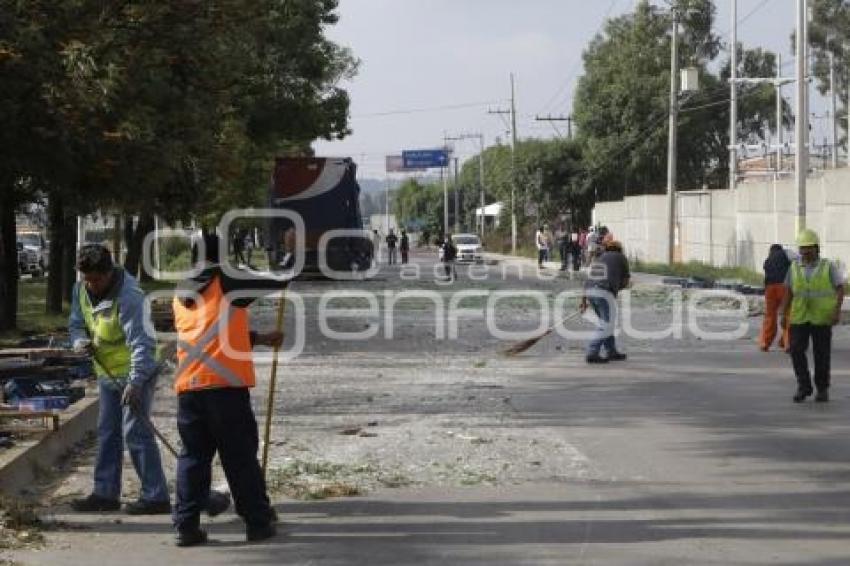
(131, 313)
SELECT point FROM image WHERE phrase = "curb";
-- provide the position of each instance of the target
(21, 465)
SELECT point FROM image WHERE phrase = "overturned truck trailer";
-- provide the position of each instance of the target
(325, 193)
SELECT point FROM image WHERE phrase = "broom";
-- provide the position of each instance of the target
(521, 347)
(281, 309)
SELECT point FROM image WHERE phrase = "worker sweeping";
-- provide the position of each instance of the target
(107, 321)
(815, 292)
(608, 275)
(213, 378)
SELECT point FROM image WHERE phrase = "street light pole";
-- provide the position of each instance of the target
(733, 100)
(513, 167)
(671, 145)
(457, 202)
(802, 111)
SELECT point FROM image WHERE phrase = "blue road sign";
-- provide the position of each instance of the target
(425, 158)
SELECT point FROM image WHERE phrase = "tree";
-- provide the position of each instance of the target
(621, 103)
(168, 108)
(829, 33)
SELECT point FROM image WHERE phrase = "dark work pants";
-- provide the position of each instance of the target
(219, 420)
(821, 336)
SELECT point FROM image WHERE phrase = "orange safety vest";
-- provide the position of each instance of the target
(203, 330)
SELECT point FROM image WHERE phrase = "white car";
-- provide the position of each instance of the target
(469, 248)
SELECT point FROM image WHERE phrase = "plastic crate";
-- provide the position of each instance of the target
(58, 402)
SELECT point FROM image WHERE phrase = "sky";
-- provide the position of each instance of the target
(431, 68)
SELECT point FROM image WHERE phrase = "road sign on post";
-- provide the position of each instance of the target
(425, 158)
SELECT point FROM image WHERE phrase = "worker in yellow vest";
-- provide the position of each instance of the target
(815, 291)
(107, 321)
(213, 378)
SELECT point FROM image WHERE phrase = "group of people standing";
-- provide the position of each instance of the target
(576, 247)
(394, 244)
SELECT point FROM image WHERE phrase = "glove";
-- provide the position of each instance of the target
(132, 397)
(83, 346)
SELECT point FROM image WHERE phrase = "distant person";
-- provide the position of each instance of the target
(562, 241)
(582, 244)
(592, 242)
(237, 245)
(775, 271)
(248, 247)
(550, 241)
(576, 250)
(448, 254)
(376, 245)
(540, 242)
(391, 239)
(609, 273)
(815, 292)
(404, 246)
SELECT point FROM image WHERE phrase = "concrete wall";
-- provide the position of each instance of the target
(727, 228)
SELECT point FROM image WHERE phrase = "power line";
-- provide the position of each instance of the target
(574, 70)
(426, 109)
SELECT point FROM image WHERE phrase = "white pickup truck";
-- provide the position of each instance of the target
(35, 258)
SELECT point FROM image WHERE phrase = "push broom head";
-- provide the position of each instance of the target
(521, 347)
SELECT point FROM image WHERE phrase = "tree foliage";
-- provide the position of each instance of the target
(174, 108)
(829, 33)
(622, 101)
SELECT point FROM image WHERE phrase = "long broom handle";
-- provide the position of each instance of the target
(567, 318)
(281, 309)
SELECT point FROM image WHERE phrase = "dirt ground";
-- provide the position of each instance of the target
(355, 417)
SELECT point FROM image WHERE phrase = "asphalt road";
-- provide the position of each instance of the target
(690, 452)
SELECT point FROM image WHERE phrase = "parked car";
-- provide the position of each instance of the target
(35, 243)
(28, 261)
(469, 248)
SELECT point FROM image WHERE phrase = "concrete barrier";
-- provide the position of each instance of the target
(21, 465)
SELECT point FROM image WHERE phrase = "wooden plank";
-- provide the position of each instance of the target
(40, 353)
(51, 417)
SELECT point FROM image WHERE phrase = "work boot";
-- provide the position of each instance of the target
(595, 359)
(801, 394)
(258, 533)
(142, 507)
(822, 396)
(218, 503)
(191, 537)
(616, 357)
(95, 504)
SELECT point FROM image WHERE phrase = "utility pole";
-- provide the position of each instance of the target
(567, 119)
(834, 118)
(480, 138)
(512, 113)
(671, 144)
(481, 180)
(457, 202)
(778, 113)
(802, 111)
(733, 100)
(387, 206)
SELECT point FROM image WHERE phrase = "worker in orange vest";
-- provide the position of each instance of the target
(212, 380)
